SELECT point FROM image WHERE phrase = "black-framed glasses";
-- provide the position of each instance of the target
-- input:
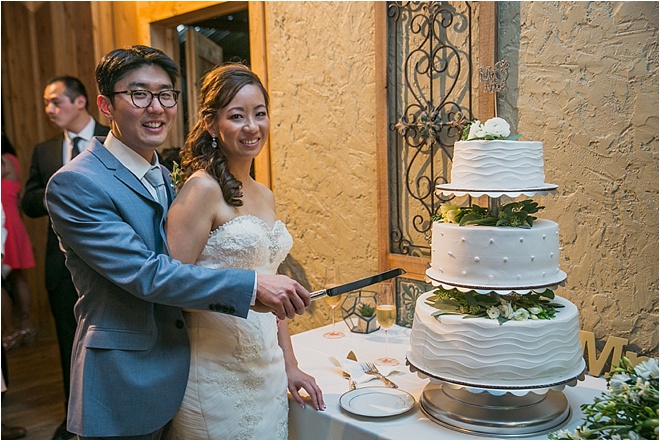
(143, 98)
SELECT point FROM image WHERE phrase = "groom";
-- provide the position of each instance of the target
(131, 351)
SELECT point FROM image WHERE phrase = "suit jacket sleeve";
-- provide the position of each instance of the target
(108, 231)
(35, 188)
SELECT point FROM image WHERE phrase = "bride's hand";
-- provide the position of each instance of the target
(298, 379)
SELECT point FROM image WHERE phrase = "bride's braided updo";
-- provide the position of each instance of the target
(219, 87)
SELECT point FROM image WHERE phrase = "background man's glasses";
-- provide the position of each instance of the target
(143, 98)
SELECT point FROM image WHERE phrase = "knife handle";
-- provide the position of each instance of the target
(318, 294)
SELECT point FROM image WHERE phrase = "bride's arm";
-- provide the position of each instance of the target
(297, 378)
(190, 218)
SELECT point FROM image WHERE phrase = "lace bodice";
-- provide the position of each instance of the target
(247, 242)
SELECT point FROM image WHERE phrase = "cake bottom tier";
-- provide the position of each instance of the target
(482, 352)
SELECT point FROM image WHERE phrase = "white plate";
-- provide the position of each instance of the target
(376, 401)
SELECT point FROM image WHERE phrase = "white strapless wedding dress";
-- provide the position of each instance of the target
(237, 383)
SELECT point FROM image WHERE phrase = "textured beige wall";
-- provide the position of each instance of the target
(321, 77)
(584, 80)
(587, 86)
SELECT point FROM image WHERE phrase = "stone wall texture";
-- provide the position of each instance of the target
(583, 79)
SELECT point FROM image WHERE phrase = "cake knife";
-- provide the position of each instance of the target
(357, 284)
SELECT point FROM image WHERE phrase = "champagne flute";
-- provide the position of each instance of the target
(386, 316)
(332, 280)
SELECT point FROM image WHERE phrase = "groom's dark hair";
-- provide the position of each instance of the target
(119, 62)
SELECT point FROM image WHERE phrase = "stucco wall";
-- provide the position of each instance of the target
(321, 63)
(584, 80)
(587, 86)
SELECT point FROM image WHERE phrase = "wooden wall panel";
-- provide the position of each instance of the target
(41, 40)
(20, 110)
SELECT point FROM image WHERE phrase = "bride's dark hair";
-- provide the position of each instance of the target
(219, 87)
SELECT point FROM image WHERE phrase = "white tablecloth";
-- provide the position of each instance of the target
(313, 352)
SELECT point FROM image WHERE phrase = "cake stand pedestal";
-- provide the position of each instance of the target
(495, 415)
(500, 412)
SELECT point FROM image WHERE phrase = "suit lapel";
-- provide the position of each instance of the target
(120, 172)
(58, 151)
(125, 176)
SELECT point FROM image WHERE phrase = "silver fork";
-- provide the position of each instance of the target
(371, 369)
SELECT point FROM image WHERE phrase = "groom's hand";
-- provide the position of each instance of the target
(281, 295)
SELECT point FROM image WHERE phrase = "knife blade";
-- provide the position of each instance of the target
(357, 284)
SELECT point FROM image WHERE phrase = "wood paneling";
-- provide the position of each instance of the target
(21, 99)
(259, 65)
(41, 40)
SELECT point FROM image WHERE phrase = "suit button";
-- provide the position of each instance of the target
(212, 307)
(231, 310)
(179, 324)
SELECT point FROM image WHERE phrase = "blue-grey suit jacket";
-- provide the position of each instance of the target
(131, 352)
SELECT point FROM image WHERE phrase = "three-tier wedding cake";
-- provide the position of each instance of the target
(494, 321)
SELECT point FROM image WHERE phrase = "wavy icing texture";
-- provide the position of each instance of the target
(496, 256)
(493, 165)
(480, 351)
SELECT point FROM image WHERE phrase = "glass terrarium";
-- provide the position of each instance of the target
(359, 312)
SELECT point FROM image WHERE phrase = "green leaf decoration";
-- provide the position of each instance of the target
(471, 304)
(514, 214)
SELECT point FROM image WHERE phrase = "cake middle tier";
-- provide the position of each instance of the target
(496, 257)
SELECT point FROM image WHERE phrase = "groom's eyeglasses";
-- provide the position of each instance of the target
(143, 98)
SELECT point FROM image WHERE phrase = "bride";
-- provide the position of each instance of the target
(222, 218)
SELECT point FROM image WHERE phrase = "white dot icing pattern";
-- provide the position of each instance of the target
(532, 253)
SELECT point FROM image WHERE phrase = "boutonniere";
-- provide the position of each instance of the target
(175, 178)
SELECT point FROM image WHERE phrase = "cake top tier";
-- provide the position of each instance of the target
(489, 161)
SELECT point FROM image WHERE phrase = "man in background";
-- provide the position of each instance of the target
(66, 104)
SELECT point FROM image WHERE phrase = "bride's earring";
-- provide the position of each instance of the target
(214, 143)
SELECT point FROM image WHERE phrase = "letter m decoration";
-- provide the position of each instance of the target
(612, 351)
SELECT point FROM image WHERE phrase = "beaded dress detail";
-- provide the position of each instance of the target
(237, 382)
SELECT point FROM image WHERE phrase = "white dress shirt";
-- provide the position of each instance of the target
(135, 163)
(85, 135)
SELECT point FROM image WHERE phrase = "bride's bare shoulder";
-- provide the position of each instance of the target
(201, 181)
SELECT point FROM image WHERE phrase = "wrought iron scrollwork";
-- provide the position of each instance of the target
(430, 100)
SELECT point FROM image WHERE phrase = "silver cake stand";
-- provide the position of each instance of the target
(506, 412)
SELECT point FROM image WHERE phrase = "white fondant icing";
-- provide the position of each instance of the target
(481, 351)
(500, 250)
(493, 165)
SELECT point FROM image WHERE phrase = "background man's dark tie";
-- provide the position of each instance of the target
(74, 146)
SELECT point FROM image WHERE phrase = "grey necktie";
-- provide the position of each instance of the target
(155, 177)
(74, 146)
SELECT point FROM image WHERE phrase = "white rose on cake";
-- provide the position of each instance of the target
(521, 314)
(497, 127)
(494, 128)
(477, 130)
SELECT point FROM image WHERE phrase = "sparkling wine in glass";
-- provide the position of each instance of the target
(386, 317)
(332, 280)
